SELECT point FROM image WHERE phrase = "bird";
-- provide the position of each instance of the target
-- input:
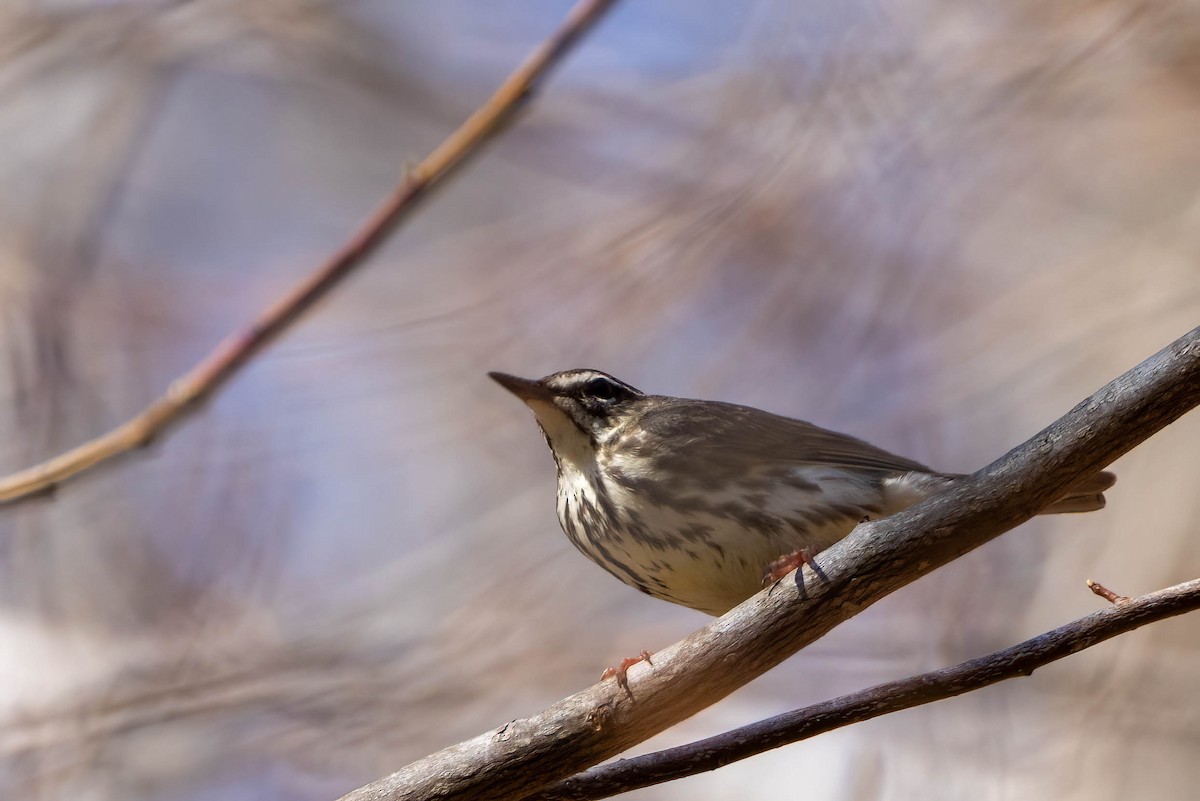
(701, 502)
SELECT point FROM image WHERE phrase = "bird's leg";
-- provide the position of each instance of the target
(786, 564)
(620, 670)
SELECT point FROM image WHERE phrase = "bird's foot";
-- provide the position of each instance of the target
(786, 564)
(620, 670)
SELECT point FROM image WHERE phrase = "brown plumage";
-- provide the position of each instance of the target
(690, 500)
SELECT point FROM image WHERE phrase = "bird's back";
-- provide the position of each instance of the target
(682, 436)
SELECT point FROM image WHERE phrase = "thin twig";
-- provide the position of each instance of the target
(879, 557)
(1019, 660)
(199, 383)
(1106, 593)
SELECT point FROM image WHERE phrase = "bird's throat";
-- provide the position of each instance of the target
(570, 444)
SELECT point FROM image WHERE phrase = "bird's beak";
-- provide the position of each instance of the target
(524, 388)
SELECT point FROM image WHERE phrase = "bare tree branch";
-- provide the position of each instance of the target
(800, 724)
(879, 557)
(187, 392)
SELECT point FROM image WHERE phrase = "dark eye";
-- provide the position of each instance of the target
(600, 388)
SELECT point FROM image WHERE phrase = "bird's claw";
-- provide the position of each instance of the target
(620, 671)
(786, 564)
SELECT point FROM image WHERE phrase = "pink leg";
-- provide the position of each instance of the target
(786, 564)
(620, 670)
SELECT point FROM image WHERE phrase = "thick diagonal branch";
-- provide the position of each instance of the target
(879, 557)
(790, 727)
(199, 383)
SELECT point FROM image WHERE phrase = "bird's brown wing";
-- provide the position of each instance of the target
(685, 431)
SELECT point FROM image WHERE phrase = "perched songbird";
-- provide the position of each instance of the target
(695, 501)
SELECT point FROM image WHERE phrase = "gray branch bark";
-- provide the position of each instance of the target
(514, 761)
(800, 724)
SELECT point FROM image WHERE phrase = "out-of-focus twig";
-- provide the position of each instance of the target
(746, 741)
(199, 383)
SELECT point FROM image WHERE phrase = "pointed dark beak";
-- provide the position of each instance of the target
(524, 388)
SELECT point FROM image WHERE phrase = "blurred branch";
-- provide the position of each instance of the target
(877, 558)
(199, 383)
(746, 741)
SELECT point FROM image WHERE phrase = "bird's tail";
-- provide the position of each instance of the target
(1086, 496)
(906, 489)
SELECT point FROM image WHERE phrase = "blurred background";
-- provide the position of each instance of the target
(935, 225)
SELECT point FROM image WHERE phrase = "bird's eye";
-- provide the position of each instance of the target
(600, 388)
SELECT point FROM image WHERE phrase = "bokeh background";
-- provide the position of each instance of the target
(936, 225)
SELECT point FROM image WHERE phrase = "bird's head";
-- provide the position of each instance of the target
(577, 409)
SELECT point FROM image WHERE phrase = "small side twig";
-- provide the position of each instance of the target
(1106, 593)
(199, 383)
(1019, 660)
